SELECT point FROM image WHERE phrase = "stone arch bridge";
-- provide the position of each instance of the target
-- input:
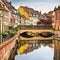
(36, 33)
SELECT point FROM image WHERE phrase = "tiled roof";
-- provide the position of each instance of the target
(43, 21)
(50, 12)
(30, 10)
(8, 5)
(2, 7)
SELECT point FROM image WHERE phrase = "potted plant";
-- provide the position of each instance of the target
(17, 28)
(10, 26)
(13, 32)
(4, 34)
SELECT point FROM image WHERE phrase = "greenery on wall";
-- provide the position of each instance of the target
(10, 26)
(13, 32)
(4, 34)
(17, 28)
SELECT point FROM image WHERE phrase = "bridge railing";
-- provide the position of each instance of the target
(35, 27)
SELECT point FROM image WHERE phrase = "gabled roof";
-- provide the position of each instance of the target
(2, 7)
(42, 21)
(47, 15)
(29, 10)
(8, 5)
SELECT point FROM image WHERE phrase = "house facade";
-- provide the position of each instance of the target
(8, 15)
(29, 15)
(3, 19)
(56, 16)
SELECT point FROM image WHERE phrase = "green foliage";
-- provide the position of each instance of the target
(13, 32)
(4, 34)
(10, 26)
(17, 28)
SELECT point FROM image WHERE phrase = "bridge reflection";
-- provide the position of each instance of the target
(55, 44)
(37, 44)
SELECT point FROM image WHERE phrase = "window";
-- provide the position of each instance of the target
(11, 19)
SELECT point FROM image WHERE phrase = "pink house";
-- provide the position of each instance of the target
(11, 14)
(57, 18)
(7, 16)
(5, 6)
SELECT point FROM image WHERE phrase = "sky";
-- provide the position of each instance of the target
(40, 5)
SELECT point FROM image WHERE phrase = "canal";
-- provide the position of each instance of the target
(36, 50)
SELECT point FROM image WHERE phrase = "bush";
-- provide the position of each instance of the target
(4, 34)
(10, 26)
(13, 33)
(17, 28)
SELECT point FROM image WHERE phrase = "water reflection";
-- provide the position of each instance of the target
(40, 50)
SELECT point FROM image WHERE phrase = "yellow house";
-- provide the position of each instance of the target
(29, 14)
(23, 12)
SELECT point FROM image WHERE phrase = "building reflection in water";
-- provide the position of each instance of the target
(56, 49)
(37, 46)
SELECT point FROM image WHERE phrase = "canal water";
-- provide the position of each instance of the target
(40, 50)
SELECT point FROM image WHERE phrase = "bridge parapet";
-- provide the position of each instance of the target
(36, 27)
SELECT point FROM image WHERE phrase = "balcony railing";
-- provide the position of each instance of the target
(35, 27)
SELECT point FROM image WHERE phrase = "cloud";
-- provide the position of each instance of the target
(43, 5)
